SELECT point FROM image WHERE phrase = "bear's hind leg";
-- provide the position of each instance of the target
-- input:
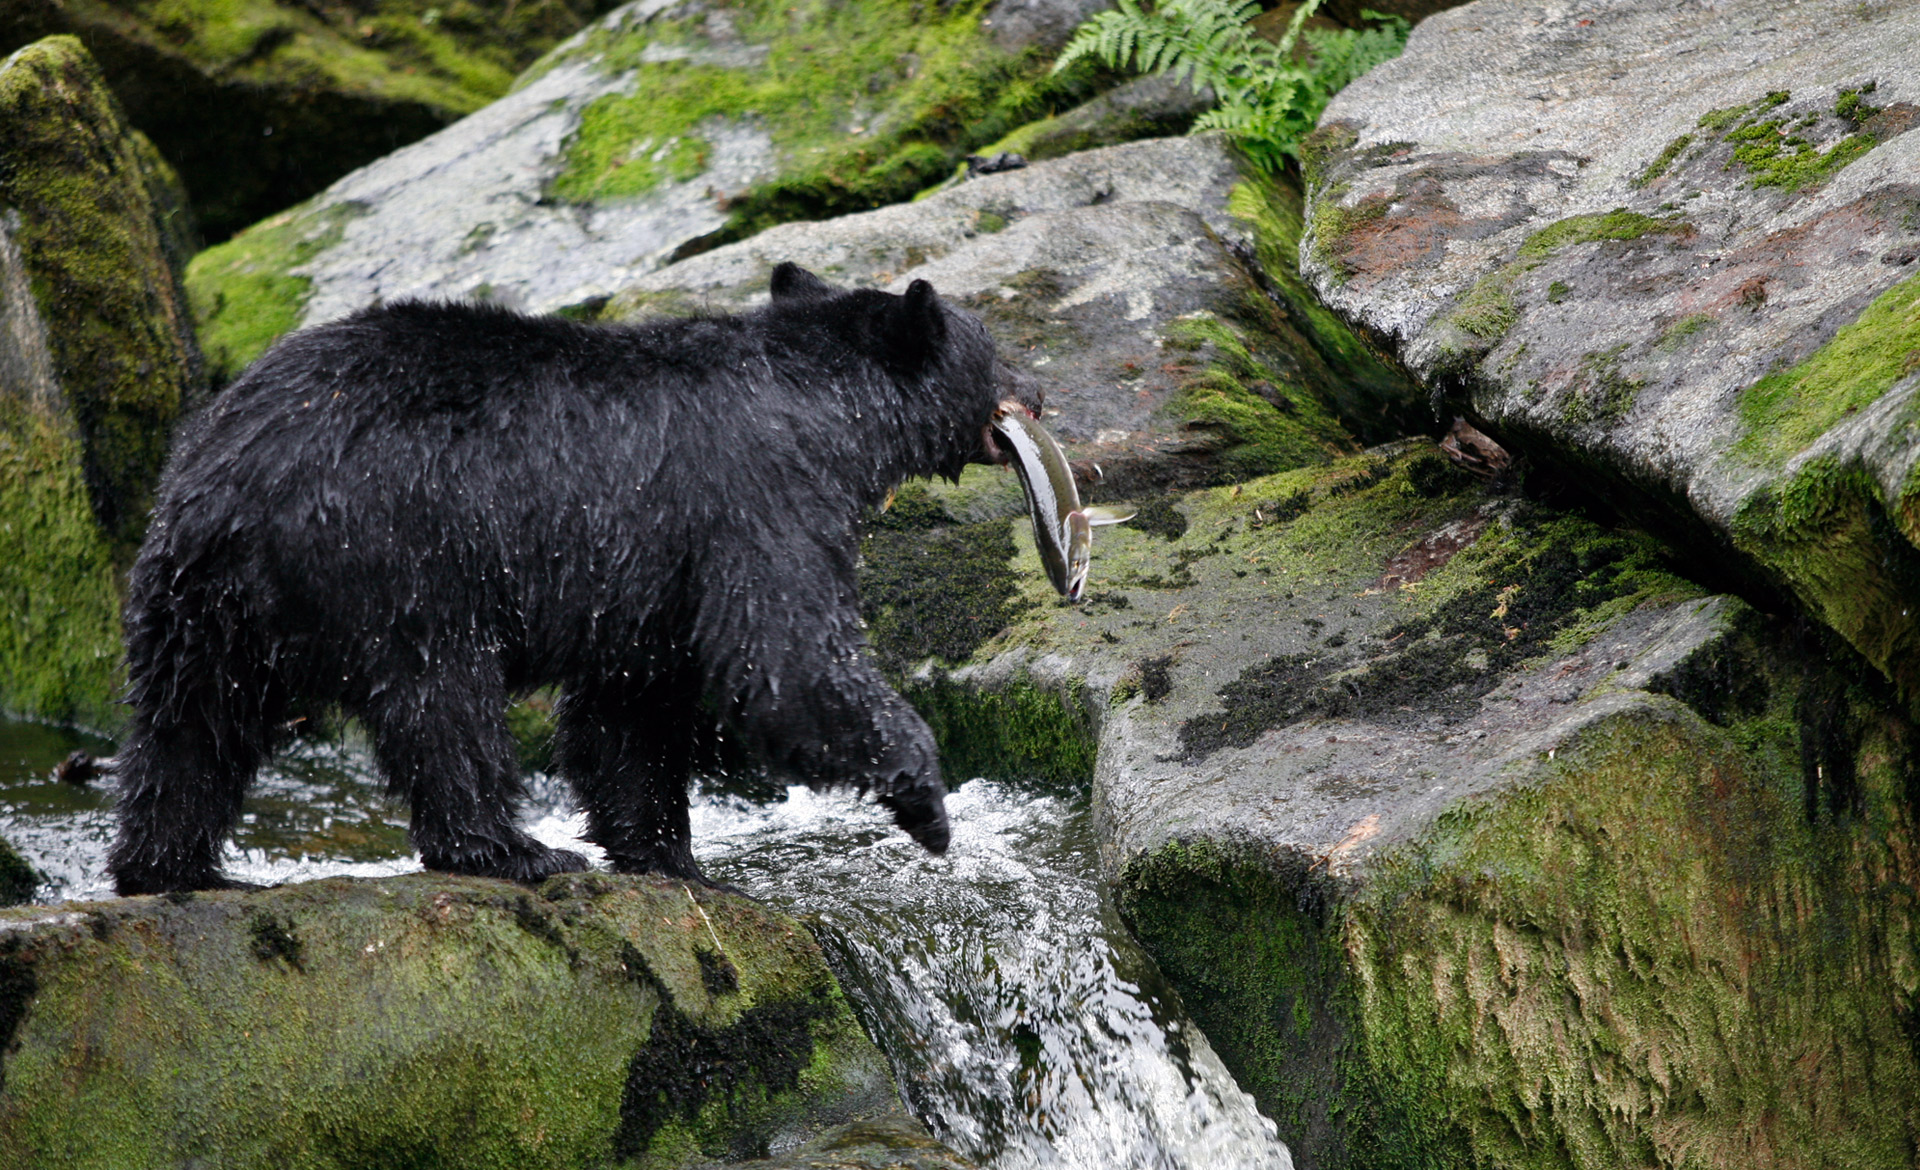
(181, 774)
(442, 742)
(628, 752)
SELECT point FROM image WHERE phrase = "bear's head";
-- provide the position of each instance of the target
(939, 355)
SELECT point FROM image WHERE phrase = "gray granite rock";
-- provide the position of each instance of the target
(1454, 818)
(664, 127)
(1670, 250)
(1113, 278)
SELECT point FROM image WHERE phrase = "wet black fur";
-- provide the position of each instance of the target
(424, 509)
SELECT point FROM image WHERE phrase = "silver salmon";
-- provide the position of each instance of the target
(1062, 529)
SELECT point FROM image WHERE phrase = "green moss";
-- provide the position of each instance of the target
(1263, 421)
(1247, 938)
(454, 56)
(936, 594)
(1676, 334)
(428, 1021)
(1775, 156)
(95, 258)
(865, 104)
(1557, 292)
(1542, 585)
(1016, 730)
(1827, 533)
(1639, 948)
(1333, 223)
(244, 293)
(1322, 147)
(1787, 410)
(1618, 224)
(1664, 161)
(1488, 309)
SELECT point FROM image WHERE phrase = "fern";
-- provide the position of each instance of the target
(1264, 99)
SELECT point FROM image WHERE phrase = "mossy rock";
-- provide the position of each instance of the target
(99, 362)
(1698, 308)
(350, 1023)
(658, 132)
(260, 103)
(1471, 832)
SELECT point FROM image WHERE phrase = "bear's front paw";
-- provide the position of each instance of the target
(922, 812)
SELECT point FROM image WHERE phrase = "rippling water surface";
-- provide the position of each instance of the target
(1025, 1026)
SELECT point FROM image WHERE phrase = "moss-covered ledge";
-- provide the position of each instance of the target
(419, 1020)
(97, 360)
(1663, 941)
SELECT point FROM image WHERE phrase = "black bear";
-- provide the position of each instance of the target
(421, 510)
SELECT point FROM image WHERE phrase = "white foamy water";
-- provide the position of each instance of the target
(1027, 1030)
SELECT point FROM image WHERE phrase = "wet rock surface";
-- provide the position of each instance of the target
(1410, 789)
(1667, 250)
(1126, 281)
(97, 360)
(598, 1020)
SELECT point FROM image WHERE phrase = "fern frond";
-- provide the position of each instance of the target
(1267, 100)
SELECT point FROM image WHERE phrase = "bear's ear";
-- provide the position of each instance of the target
(791, 282)
(919, 327)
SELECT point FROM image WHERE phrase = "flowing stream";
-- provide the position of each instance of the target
(1027, 1029)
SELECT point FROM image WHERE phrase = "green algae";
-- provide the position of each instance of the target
(1788, 409)
(245, 293)
(866, 104)
(429, 1021)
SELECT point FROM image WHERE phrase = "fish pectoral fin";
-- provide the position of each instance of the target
(1101, 517)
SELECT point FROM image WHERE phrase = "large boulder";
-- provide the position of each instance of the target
(662, 129)
(1668, 250)
(260, 103)
(427, 1019)
(97, 361)
(1129, 282)
(1469, 832)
